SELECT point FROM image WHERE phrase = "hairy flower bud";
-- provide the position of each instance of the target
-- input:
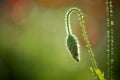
(73, 47)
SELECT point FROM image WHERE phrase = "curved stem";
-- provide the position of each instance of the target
(93, 61)
(67, 22)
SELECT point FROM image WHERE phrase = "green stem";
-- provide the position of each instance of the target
(67, 22)
(110, 38)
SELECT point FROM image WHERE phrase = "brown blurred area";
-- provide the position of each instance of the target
(16, 10)
(95, 17)
(53, 3)
(95, 20)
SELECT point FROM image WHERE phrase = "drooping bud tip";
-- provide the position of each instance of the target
(73, 47)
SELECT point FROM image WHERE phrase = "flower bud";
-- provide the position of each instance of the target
(73, 47)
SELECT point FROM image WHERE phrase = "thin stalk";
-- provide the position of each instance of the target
(67, 22)
(110, 38)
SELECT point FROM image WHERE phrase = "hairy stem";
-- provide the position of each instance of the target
(67, 22)
(110, 38)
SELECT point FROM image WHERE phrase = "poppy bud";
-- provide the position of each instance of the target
(73, 47)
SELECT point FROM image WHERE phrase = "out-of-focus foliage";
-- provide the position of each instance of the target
(32, 40)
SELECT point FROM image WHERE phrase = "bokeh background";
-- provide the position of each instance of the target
(32, 39)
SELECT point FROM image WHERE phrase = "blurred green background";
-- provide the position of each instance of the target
(32, 39)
